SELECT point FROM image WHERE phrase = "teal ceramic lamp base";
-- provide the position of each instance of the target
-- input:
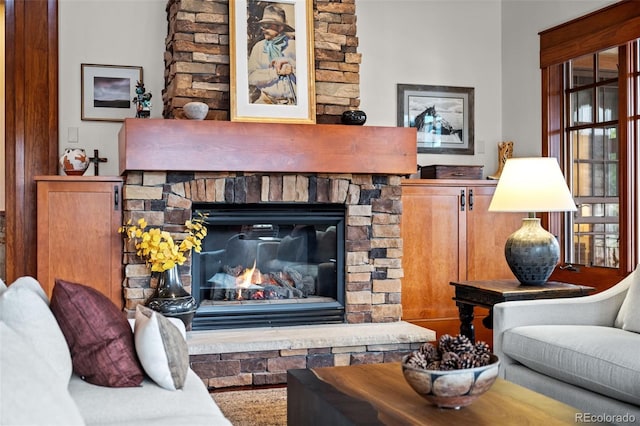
(532, 253)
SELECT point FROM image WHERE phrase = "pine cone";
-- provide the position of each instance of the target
(449, 361)
(461, 344)
(445, 343)
(481, 348)
(417, 360)
(429, 351)
(466, 360)
(435, 365)
(481, 360)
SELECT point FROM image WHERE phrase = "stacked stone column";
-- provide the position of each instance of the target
(197, 59)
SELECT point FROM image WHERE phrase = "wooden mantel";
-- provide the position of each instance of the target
(209, 145)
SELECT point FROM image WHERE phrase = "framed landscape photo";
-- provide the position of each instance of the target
(272, 63)
(442, 115)
(107, 91)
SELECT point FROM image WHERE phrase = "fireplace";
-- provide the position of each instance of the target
(269, 264)
(173, 167)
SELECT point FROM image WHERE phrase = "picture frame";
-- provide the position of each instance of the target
(443, 116)
(276, 85)
(107, 91)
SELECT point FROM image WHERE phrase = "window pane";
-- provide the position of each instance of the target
(582, 71)
(608, 64)
(608, 102)
(582, 107)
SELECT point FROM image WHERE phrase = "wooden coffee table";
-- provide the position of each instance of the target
(377, 394)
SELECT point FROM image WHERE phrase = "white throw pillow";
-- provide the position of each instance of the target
(30, 391)
(629, 314)
(3, 286)
(161, 348)
(24, 308)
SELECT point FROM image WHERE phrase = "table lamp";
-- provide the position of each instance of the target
(532, 185)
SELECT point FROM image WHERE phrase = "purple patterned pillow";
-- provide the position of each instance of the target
(98, 334)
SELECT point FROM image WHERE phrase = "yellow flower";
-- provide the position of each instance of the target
(157, 246)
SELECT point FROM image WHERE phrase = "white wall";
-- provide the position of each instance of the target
(107, 32)
(441, 43)
(491, 45)
(522, 20)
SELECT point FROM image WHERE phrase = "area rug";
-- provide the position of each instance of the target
(259, 407)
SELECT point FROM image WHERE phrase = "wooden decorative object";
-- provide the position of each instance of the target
(505, 151)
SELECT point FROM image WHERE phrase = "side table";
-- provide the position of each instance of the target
(489, 292)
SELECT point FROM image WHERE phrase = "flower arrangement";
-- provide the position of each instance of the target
(158, 248)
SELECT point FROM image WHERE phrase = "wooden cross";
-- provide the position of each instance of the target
(96, 160)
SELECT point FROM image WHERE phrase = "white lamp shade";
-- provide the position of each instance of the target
(532, 185)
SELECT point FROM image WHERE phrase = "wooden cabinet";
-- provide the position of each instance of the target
(77, 232)
(449, 235)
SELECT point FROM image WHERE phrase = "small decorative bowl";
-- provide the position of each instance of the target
(353, 117)
(195, 110)
(451, 388)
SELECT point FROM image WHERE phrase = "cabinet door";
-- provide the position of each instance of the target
(431, 222)
(77, 235)
(487, 233)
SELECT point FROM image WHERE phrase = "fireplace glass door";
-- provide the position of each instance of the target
(269, 265)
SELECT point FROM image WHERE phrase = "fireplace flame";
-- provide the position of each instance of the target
(245, 279)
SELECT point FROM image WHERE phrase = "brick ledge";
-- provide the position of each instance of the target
(305, 337)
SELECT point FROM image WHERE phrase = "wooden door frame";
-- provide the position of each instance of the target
(31, 115)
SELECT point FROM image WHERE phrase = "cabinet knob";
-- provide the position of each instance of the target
(462, 200)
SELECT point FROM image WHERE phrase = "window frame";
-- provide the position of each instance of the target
(617, 25)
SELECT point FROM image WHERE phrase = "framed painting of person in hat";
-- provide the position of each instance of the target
(272, 63)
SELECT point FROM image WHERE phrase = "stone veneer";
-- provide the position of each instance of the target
(373, 257)
(373, 243)
(197, 58)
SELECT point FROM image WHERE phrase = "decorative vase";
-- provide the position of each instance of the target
(354, 117)
(196, 110)
(171, 299)
(74, 161)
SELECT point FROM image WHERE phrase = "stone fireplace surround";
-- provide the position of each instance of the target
(315, 168)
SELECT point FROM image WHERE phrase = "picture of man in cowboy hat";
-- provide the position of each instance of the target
(272, 61)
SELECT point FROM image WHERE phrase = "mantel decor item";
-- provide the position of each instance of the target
(163, 255)
(142, 100)
(532, 185)
(353, 117)
(108, 91)
(442, 115)
(74, 161)
(195, 110)
(272, 61)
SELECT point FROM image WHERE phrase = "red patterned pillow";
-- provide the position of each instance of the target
(98, 334)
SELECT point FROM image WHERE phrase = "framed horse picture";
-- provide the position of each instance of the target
(442, 115)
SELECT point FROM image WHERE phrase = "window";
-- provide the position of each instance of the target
(591, 143)
(590, 70)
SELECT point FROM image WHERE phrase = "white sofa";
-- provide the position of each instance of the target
(37, 386)
(583, 351)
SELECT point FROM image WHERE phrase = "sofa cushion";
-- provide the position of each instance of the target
(148, 404)
(629, 315)
(23, 308)
(32, 393)
(98, 334)
(600, 359)
(161, 348)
